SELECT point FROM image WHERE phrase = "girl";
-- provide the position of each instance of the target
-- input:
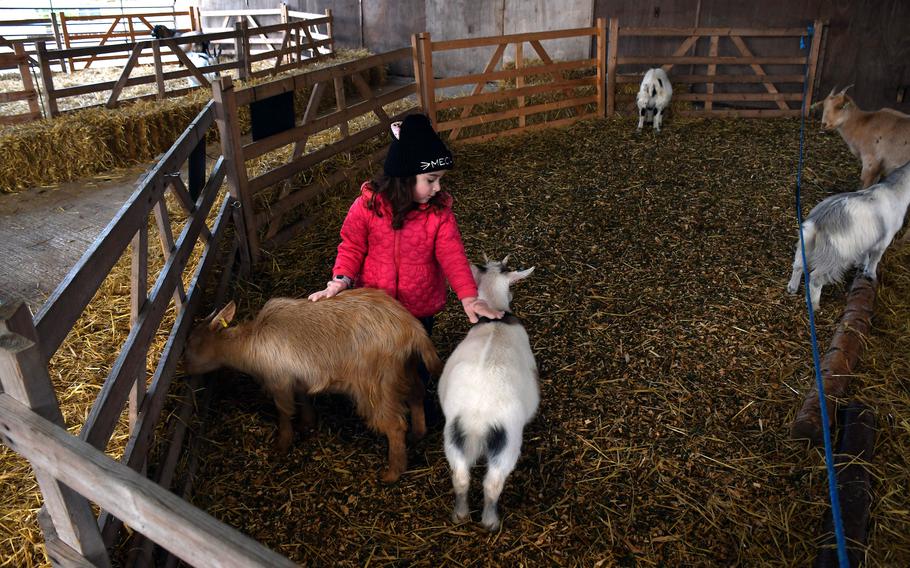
(401, 236)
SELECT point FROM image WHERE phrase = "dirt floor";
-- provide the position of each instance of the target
(672, 363)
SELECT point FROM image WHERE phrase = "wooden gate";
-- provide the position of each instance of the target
(738, 79)
(19, 60)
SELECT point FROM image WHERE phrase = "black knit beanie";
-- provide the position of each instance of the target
(417, 149)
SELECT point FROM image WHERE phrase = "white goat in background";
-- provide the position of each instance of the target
(212, 57)
(488, 392)
(851, 229)
(654, 96)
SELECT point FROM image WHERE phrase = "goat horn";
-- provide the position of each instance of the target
(847, 87)
(486, 259)
(834, 88)
(505, 261)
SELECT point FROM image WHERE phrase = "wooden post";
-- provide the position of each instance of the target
(232, 150)
(340, 104)
(129, 25)
(427, 56)
(813, 62)
(520, 81)
(839, 361)
(417, 62)
(601, 67)
(27, 84)
(712, 70)
(283, 8)
(159, 70)
(47, 78)
(138, 298)
(330, 30)
(242, 49)
(66, 39)
(59, 45)
(854, 452)
(612, 55)
(24, 377)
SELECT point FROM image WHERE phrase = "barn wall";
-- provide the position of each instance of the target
(866, 43)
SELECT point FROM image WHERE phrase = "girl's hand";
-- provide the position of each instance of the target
(331, 289)
(475, 308)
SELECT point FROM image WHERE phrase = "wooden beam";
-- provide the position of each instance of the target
(612, 58)
(27, 385)
(481, 83)
(758, 69)
(839, 363)
(124, 75)
(814, 52)
(189, 533)
(712, 70)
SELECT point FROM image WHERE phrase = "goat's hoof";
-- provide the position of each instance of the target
(791, 290)
(492, 524)
(390, 475)
(459, 517)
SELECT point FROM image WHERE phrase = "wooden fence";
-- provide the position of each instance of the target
(39, 29)
(73, 471)
(752, 87)
(511, 104)
(568, 91)
(224, 19)
(292, 52)
(269, 217)
(18, 59)
(138, 26)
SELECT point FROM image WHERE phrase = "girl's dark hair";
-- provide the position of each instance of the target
(399, 193)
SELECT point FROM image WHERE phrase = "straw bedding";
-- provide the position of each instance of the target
(672, 363)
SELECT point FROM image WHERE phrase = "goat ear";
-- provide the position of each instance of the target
(519, 275)
(476, 271)
(224, 317)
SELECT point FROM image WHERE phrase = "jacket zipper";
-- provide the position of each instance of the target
(397, 259)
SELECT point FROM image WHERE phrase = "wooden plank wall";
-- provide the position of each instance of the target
(866, 41)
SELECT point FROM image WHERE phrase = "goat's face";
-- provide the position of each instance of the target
(837, 110)
(200, 354)
(494, 279)
(162, 32)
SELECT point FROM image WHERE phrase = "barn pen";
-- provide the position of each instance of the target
(671, 360)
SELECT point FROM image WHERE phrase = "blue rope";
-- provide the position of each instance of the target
(819, 383)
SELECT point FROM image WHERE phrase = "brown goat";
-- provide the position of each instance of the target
(880, 139)
(361, 343)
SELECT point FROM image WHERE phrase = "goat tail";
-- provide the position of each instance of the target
(475, 438)
(424, 348)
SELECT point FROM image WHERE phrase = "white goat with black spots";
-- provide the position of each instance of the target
(654, 96)
(488, 392)
(851, 229)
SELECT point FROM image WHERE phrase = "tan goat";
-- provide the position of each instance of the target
(361, 343)
(880, 139)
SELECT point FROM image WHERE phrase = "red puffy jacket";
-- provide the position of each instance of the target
(411, 264)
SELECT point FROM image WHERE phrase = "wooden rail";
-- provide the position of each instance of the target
(9, 38)
(266, 223)
(19, 60)
(138, 25)
(297, 49)
(512, 107)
